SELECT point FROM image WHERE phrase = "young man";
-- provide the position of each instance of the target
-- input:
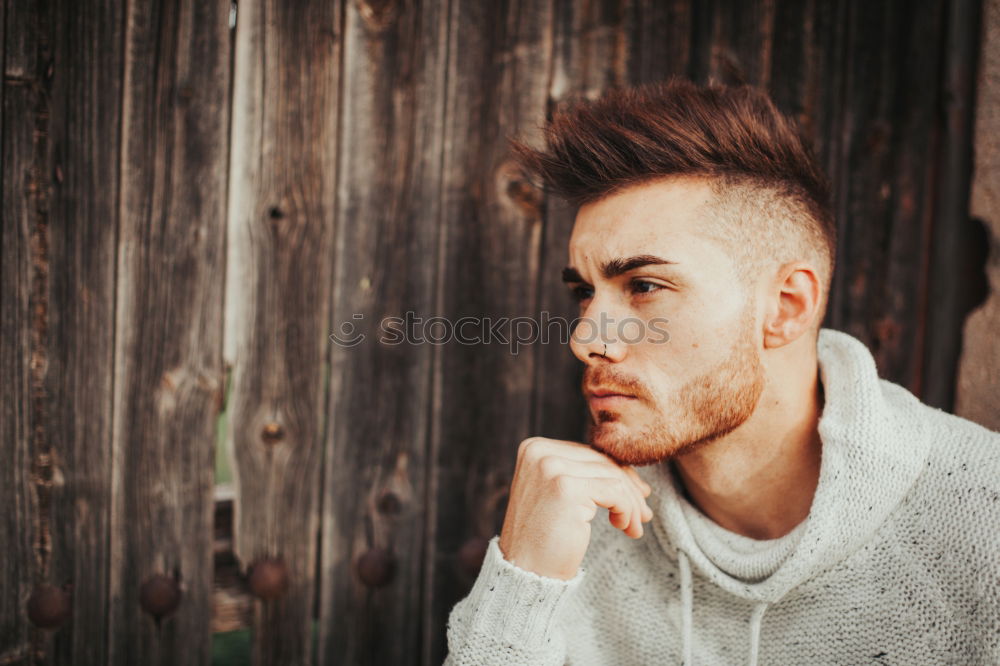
(799, 509)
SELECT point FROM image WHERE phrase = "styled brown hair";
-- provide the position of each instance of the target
(770, 191)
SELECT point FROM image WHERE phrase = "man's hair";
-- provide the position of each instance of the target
(772, 201)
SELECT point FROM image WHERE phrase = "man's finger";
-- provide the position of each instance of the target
(555, 465)
(634, 475)
(614, 495)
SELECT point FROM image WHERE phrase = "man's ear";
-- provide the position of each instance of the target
(793, 304)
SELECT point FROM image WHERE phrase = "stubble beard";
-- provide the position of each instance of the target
(707, 408)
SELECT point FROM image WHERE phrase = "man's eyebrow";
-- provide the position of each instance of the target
(570, 274)
(615, 267)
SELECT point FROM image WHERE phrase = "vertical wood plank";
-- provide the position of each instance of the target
(24, 564)
(732, 42)
(498, 79)
(886, 168)
(168, 345)
(658, 39)
(82, 178)
(281, 233)
(388, 211)
(60, 147)
(955, 238)
(795, 57)
(703, 22)
(899, 331)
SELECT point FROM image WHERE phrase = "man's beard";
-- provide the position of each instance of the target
(708, 407)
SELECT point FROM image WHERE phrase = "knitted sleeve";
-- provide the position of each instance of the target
(511, 616)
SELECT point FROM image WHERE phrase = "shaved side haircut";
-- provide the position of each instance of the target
(771, 200)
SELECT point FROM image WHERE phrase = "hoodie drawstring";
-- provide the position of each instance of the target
(687, 615)
(687, 606)
(755, 619)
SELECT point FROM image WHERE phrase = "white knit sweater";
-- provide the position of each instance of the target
(898, 561)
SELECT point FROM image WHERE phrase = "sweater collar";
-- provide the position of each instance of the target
(875, 445)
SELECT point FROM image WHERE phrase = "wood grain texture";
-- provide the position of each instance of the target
(82, 174)
(658, 41)
(23, 564)
(60, 196)
(738, 41)
(885, 170)
(959, 246)
(168, 336)
(385, 260)
(498, 81)
(278, 293)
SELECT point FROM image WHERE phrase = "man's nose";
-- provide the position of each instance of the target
(595, 338)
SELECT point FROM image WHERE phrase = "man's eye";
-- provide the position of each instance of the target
(581, 293)
(645, 287)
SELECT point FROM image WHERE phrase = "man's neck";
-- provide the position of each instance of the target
(759, 480)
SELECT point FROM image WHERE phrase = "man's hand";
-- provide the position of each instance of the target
(556, 490)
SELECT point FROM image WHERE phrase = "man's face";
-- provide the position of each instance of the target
(704, 377)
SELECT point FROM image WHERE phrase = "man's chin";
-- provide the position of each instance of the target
(626, 446)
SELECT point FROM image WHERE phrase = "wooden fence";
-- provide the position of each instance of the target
(197, 194)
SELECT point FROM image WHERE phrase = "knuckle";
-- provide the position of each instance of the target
(562, 484)
(549, 466)
(528, 446)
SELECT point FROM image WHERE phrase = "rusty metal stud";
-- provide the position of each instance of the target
(272, 433)
(471, 555)
(389, 503)
(49, 606)
(377, 567)
(160, 595)
(268, 579)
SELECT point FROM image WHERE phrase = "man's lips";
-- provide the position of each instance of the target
(607, 395)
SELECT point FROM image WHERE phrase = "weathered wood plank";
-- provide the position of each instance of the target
(21, 568)
(703, 23)
(278, 292)
(794, 58)
(885, 170)
(83, 178)
(658, 40)
(57, 363)
(388, 212)
(168, 337)
(498, 81)
(593, 38)
(898, 333)
(23, 564)
(740, 42)
(955, 239)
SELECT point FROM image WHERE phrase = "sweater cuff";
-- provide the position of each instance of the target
(517, 606)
